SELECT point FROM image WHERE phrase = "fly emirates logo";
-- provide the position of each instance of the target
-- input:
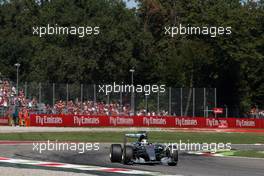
(185, 122)
(121, 121)
(245, 123)
(86, 120)
(48, 120)
(153, 121)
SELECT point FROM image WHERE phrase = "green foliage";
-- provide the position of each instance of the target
(106, 57)
(233, 64)
(135, 38)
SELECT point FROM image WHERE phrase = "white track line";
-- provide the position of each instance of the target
(78, 167)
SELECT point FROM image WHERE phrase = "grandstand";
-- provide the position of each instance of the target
(154, 105)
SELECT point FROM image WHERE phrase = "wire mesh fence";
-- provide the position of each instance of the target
(174, 101)
(191, 102)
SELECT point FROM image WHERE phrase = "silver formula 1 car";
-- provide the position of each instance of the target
(143, 152)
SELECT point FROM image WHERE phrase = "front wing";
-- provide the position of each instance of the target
(163, 161)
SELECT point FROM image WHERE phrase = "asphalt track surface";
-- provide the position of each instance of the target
(188, 164)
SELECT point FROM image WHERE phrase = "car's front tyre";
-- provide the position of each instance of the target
(174, 155)
(128, 154)
(116, 153)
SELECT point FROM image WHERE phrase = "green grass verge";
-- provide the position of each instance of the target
(244, 153)
(234, 138)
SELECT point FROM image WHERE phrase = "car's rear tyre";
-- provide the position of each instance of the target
(116, 153)
(174, 158)
(128, 154)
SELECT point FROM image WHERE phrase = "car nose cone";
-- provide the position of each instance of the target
(150, 149)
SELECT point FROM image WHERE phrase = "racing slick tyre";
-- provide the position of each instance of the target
(174, 158)
(116, 153)
(128, 154)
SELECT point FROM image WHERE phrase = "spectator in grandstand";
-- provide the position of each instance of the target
(261, 114)
(48, 109)
(141, 112)
(16, 114)
(253, 112)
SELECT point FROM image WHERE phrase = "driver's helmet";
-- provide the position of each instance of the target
(144, 142)
(143, 136)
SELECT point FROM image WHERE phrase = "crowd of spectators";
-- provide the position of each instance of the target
(95, 108)
(256, 113)
(7, 93)
(10, 99)
(88, 108)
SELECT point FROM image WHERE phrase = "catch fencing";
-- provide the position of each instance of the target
(195, 102)
(192, 102)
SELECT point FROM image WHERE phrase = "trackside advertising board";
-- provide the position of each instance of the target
(142, 121)
(4, 121)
